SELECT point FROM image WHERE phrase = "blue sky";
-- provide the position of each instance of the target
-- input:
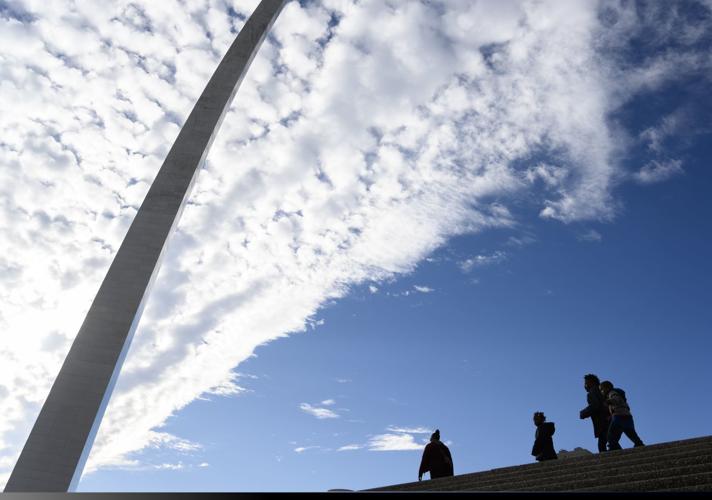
(416, 215)
(476, 359)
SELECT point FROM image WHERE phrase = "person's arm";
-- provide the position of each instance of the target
(536, 449)
(613, 401)
(594, 406)
(424, 467)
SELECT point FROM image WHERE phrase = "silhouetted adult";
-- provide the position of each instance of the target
(596, 410)
(621, 417)
(543, 448)
(436, 459)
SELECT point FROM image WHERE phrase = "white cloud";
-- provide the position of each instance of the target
(165, 440)
(551, 175)
(520, 241)
(423, 289)
(658, 171)
(590, 235)
(410, 430)
(177, 466)
(350, 447)
(320, 413)
(302, 449)
(372, 288)
(395, 439)
(328, 402)
(656, 135)
(484, 260)
(351, 153)
(228, 387)
(393, 442)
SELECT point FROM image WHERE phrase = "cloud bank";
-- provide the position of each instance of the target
(365, 135)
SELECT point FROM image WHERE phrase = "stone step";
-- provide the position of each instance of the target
(601, 468)
(546, 469)
(707, 440)
(576, 474)
(699, 482)
(610, 482)
(673, 465)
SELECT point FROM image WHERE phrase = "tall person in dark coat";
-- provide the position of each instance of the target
(543, 448)
(596, 410)
(436, 459)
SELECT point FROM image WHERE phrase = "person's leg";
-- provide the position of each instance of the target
(602, 440)
(614, 434)
(629, 430)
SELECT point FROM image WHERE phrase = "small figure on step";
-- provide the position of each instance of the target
(543, 448)
(621, 418)
(596, 410)
(436, 459)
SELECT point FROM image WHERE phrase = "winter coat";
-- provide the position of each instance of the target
(543, 448)
(597, 411)
(436, 460)
(617, 403)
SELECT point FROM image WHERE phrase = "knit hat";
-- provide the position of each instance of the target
(436, 435)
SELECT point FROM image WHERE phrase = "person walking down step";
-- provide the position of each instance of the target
(543, 448)
(596, 410)
(436, 459)
(621, 417)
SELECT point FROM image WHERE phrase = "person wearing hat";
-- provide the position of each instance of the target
(436, 459)
(543, 448)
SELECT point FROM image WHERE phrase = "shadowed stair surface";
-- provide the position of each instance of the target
(675, 466)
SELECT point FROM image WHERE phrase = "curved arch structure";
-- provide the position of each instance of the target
(55, 452)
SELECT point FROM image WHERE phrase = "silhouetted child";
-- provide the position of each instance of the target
(621, 418)
(543, 448)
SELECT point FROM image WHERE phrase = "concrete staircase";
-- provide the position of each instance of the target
(675, 466)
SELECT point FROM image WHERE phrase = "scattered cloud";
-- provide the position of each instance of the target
(177, 466)
(394, 442)
(168, 441)
(551, 175)
(228, 387)
(591, 235)
(372, 288)
(320, 413)
(350, 447)
(520, 241)
(414, 290)
(314, 323)
(328, 402)
(667, 128)
(302, 449)
(396, 438)
(410, 430)
(483, 260)
(658, 171)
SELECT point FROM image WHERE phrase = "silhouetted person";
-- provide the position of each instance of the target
(621, 418)
(596, 410)
(543, 448)
(436, 459)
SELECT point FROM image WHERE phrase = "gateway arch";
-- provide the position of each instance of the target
(60, 441)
